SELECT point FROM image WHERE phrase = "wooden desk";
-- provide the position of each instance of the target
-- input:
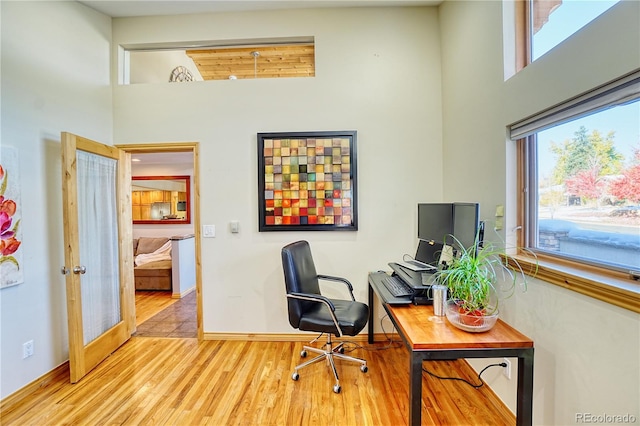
(433, 338)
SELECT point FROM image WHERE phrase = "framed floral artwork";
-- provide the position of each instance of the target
(10, 215)
(307, 181)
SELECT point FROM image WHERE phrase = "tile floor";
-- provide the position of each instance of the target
(177, 320)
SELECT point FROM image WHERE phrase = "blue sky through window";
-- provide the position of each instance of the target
(565, 20)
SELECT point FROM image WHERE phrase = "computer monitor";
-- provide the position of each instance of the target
(466, 220)
(435, 221)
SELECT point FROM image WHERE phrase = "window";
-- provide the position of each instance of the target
(549, 22)
(225, 60)
(581, 168)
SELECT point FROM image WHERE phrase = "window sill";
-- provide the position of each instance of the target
(608, 286)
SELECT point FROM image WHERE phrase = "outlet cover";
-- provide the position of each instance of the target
(27, 349)
(507, 370)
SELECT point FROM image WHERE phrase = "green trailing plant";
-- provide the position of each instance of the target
(478, 279)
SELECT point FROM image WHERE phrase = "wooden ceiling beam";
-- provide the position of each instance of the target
(246, 51)
(272, 61)
(249, 74)
(245, 61)
(232, 65)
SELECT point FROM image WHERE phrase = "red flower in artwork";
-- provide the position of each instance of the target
(9, 246)
(7, 206)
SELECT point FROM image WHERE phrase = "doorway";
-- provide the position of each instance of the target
(156, 306)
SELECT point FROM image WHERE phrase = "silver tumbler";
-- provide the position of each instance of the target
(439, 299)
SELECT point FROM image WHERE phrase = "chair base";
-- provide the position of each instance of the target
(329, 353)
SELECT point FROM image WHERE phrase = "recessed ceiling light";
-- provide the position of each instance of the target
(136, 159)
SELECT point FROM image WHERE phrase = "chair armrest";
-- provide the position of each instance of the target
(320, 299)
(313, 298)
(341, 280)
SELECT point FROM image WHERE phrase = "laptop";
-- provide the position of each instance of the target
(426, 256)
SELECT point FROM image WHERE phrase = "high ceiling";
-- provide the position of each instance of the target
(120, 9)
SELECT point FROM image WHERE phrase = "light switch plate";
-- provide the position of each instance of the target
(499, 210)
(234, 226)
(208, 231)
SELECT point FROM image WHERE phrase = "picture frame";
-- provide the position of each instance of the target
(11, 259)
(307, 181)
(161, 200)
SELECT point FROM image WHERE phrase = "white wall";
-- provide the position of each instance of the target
(55, 77)
(587, 352)
(377, 72)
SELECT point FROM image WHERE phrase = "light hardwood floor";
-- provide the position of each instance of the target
(151, 381)
(149, 303)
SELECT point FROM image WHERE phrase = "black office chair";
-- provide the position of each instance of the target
(310, 311)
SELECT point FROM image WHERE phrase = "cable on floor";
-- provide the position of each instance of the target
(502, 364)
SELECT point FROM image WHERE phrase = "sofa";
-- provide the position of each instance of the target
(152, 260)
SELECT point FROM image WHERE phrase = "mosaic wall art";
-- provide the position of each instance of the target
(307, 181)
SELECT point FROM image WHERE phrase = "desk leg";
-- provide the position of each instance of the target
(415, 390)
(524, 409)
(370, 329)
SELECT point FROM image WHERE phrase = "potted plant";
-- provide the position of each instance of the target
(477, 278)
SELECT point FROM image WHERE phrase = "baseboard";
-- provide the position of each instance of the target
(32, 387)
(290, 337)
(183, 294)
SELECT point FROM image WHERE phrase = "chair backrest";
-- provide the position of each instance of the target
(299, 277)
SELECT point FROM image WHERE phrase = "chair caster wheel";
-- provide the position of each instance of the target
(303, 354)
(295, 376)
(341, 350)
(336, 389)
(364, 369)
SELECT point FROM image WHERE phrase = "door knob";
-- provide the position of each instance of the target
(79, 269)
(64, 270)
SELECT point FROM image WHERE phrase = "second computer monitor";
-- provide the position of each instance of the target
(435, 221)
(466, 219)
(438, 221)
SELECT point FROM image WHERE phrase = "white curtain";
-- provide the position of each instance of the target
(98, 229)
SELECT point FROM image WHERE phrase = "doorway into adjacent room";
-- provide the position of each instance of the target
(174, 312)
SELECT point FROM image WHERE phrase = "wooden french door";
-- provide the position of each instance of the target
(98, 252)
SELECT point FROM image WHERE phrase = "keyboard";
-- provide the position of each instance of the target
(397, 287)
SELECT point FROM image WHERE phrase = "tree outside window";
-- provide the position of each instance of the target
(588, 189)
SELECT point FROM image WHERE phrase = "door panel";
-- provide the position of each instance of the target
(98, 251)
